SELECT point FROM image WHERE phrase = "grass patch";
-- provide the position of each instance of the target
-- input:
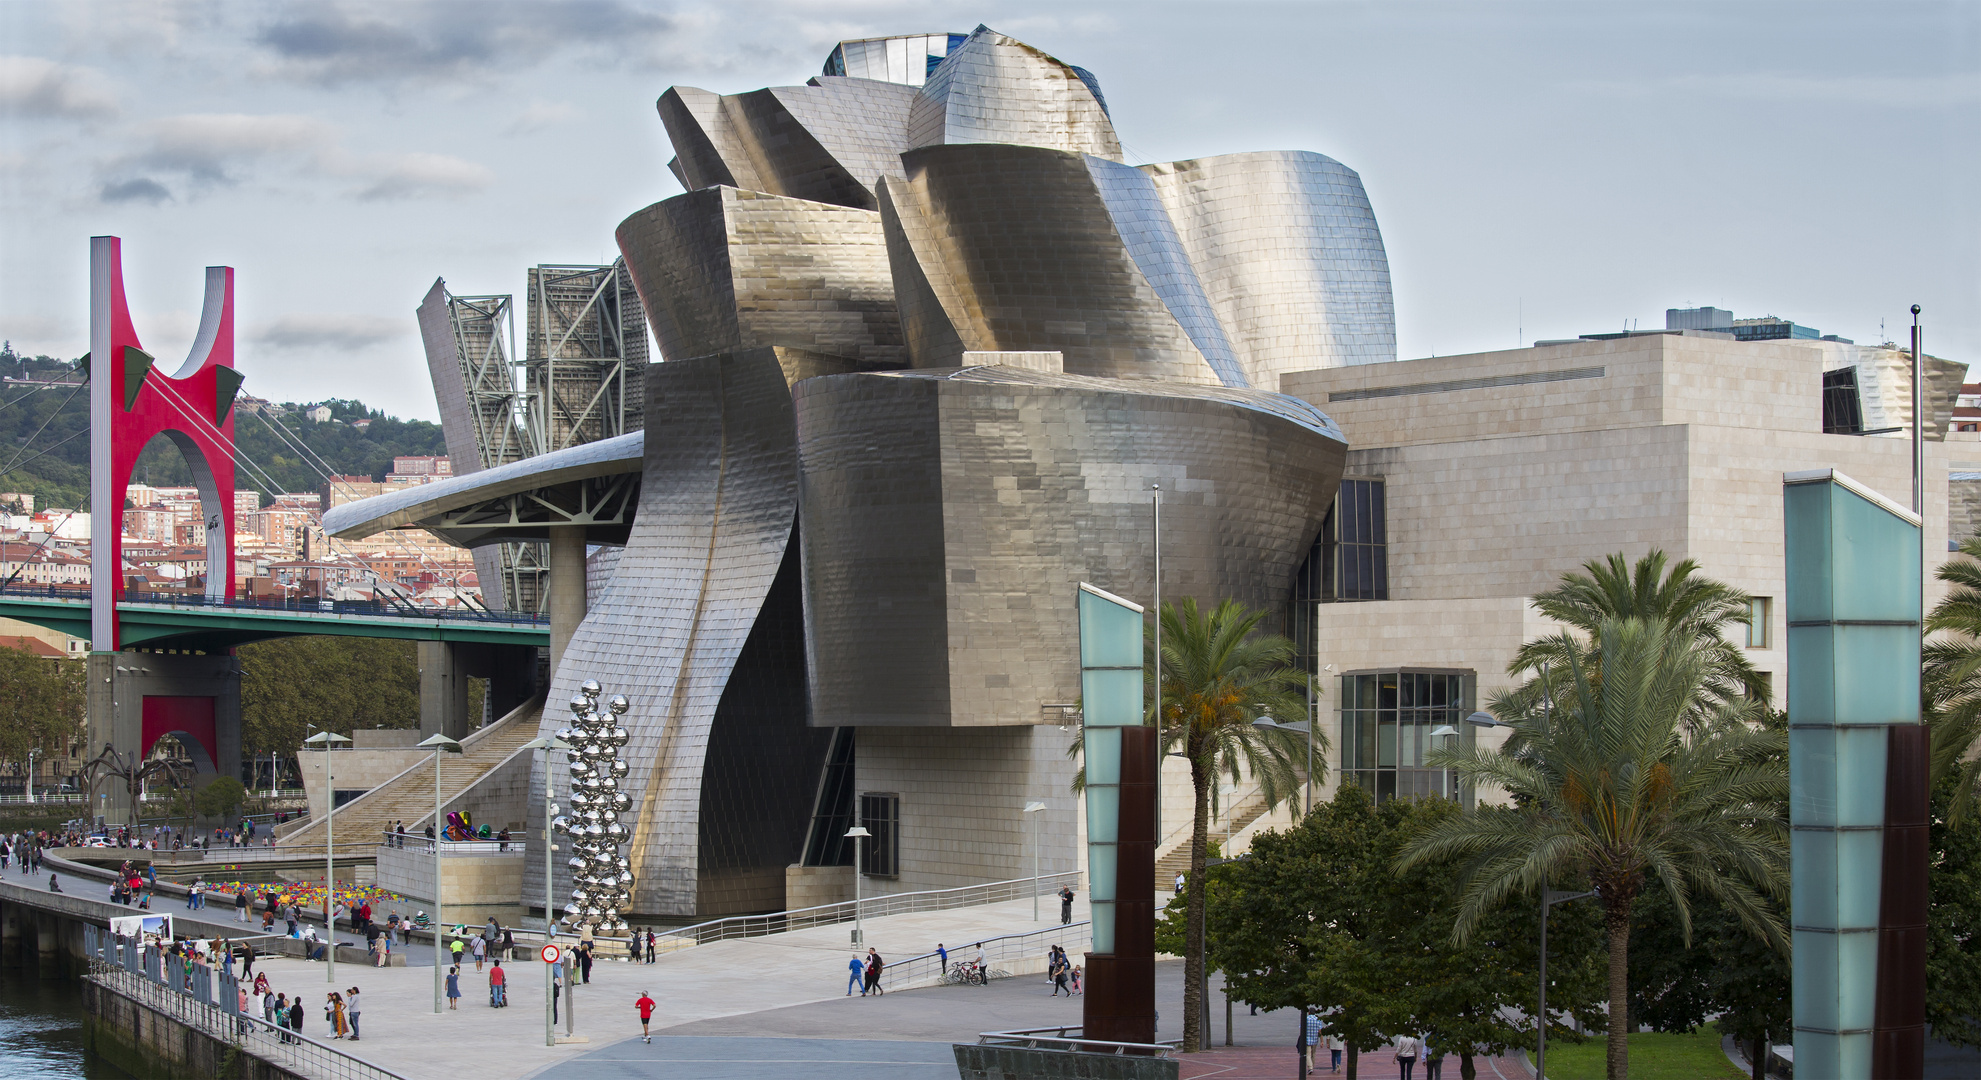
(1654, 1055)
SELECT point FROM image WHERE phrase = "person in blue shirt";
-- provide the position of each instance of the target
(943, 955)
(854, 969)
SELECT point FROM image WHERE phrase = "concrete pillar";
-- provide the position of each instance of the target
(119, 683)
(10, 935)
(567, 588)
(443, 691)
(48, 953)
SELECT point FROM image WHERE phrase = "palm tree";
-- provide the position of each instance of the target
(1620, 789)
(133, 771)
(1951, 679)
(1614, 589)
(1218, 676)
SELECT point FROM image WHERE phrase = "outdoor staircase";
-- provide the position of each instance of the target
(408, 797)
(1234, 819)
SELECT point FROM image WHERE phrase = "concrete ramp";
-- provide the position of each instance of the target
(408, 797)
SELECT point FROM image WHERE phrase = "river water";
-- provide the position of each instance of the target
(41, 1030)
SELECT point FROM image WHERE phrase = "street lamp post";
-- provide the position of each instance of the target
(31, 754)
(1549, 898)
(1447, 733)
(1033, 809)
(859, 835)
(545, 744)
(1482, 720)
(324, 739)
(437, 744)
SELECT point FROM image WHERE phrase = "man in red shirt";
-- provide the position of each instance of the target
(645, 1005)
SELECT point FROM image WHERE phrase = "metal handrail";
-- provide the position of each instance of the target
(1034, 1038)
(424, 845)
(291, 1050)
(927, 969)
(869, 907)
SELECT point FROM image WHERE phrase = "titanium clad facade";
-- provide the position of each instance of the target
(1287, 247)
(722, 270)
(717, 506)
(950, 517)
(826, 142)
(979, 222)
(995, 89)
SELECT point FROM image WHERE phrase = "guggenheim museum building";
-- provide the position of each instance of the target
(929, 350)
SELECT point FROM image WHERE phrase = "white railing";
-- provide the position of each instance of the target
(53, 799)
(289, 1050)
(871, 907)
(424, 846)
(999, 953)
(1059, 1039)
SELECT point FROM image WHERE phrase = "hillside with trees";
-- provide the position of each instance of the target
(44, 424)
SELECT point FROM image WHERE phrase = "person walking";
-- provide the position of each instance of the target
(479, 948)
(498, 986)
(633, 947)
(651, 940)
(1433, 1059)
(454, 987)
(854, 973)
(455, 947)
(1059, 976)
(645, 1005)
(351, 1011)
(240, 905)
(1065, 904)
(1076, 979)
(1311, 1029)
(585, 961)
(1406, 1055)
(874, 966)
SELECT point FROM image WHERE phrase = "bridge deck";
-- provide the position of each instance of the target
(199, 623)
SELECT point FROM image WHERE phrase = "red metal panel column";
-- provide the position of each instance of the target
(1120, 1003)
(1898, 1039)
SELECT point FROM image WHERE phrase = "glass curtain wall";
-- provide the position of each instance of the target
(1387, 719)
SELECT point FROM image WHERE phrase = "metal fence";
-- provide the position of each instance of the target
(872, 907)
(424, 846)
(1059, 1039)
(187, 992)
(1000, 954)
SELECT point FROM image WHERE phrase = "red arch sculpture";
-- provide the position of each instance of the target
(130, 403)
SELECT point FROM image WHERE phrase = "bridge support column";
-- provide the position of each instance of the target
(443, 691)
(48, 947)
(446, 667)
(567, 588)
(10, 935)
(137, 698)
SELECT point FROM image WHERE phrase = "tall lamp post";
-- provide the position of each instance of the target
(1549, 898)
(859, 834)
(1446, 733)
(1033, 809)
(324, 739)
(438, 744)
(545, 744)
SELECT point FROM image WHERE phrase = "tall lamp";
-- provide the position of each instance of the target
(1447, 733)
(546, 744)
(1033, 808)
(859, 834)
(438, 744)
(323, 740)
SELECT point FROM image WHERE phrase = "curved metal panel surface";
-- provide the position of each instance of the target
(1019, 248)
(717, 504)
(722, 270)
(1289, 253)
(996, 89)
(949, 517)
(607, 457)
(706, 153)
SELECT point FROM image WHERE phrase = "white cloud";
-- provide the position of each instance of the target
(342, 333)
(34, 87)
(410, 176)
(542, 114)
(212, 147)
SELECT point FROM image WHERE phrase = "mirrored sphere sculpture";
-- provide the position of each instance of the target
(600, 885)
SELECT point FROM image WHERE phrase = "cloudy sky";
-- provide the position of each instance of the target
(1538, 170)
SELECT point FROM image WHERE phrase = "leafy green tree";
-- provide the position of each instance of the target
(1316, 919)
(334, 683)
(1953, 926)
(1218, 676)
(1690, 605)
(1951, 677)
(220, 797)
(1610, 788)
(41, 705)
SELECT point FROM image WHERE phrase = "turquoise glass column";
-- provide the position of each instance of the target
(1111, 699)
(1853, 607)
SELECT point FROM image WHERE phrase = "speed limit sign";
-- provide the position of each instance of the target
(550, 954)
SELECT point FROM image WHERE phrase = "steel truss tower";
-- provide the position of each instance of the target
(585, 358)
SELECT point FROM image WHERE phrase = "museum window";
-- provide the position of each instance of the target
(1843, 409)
(1756, 623)
(880, 815)
(1390, 723)
(1354, 544)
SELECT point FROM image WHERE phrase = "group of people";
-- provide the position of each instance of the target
(1409, 1050)
(863, 974)
(1060, 971)
(341, 1012)
(642, 937)
(23, 849)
